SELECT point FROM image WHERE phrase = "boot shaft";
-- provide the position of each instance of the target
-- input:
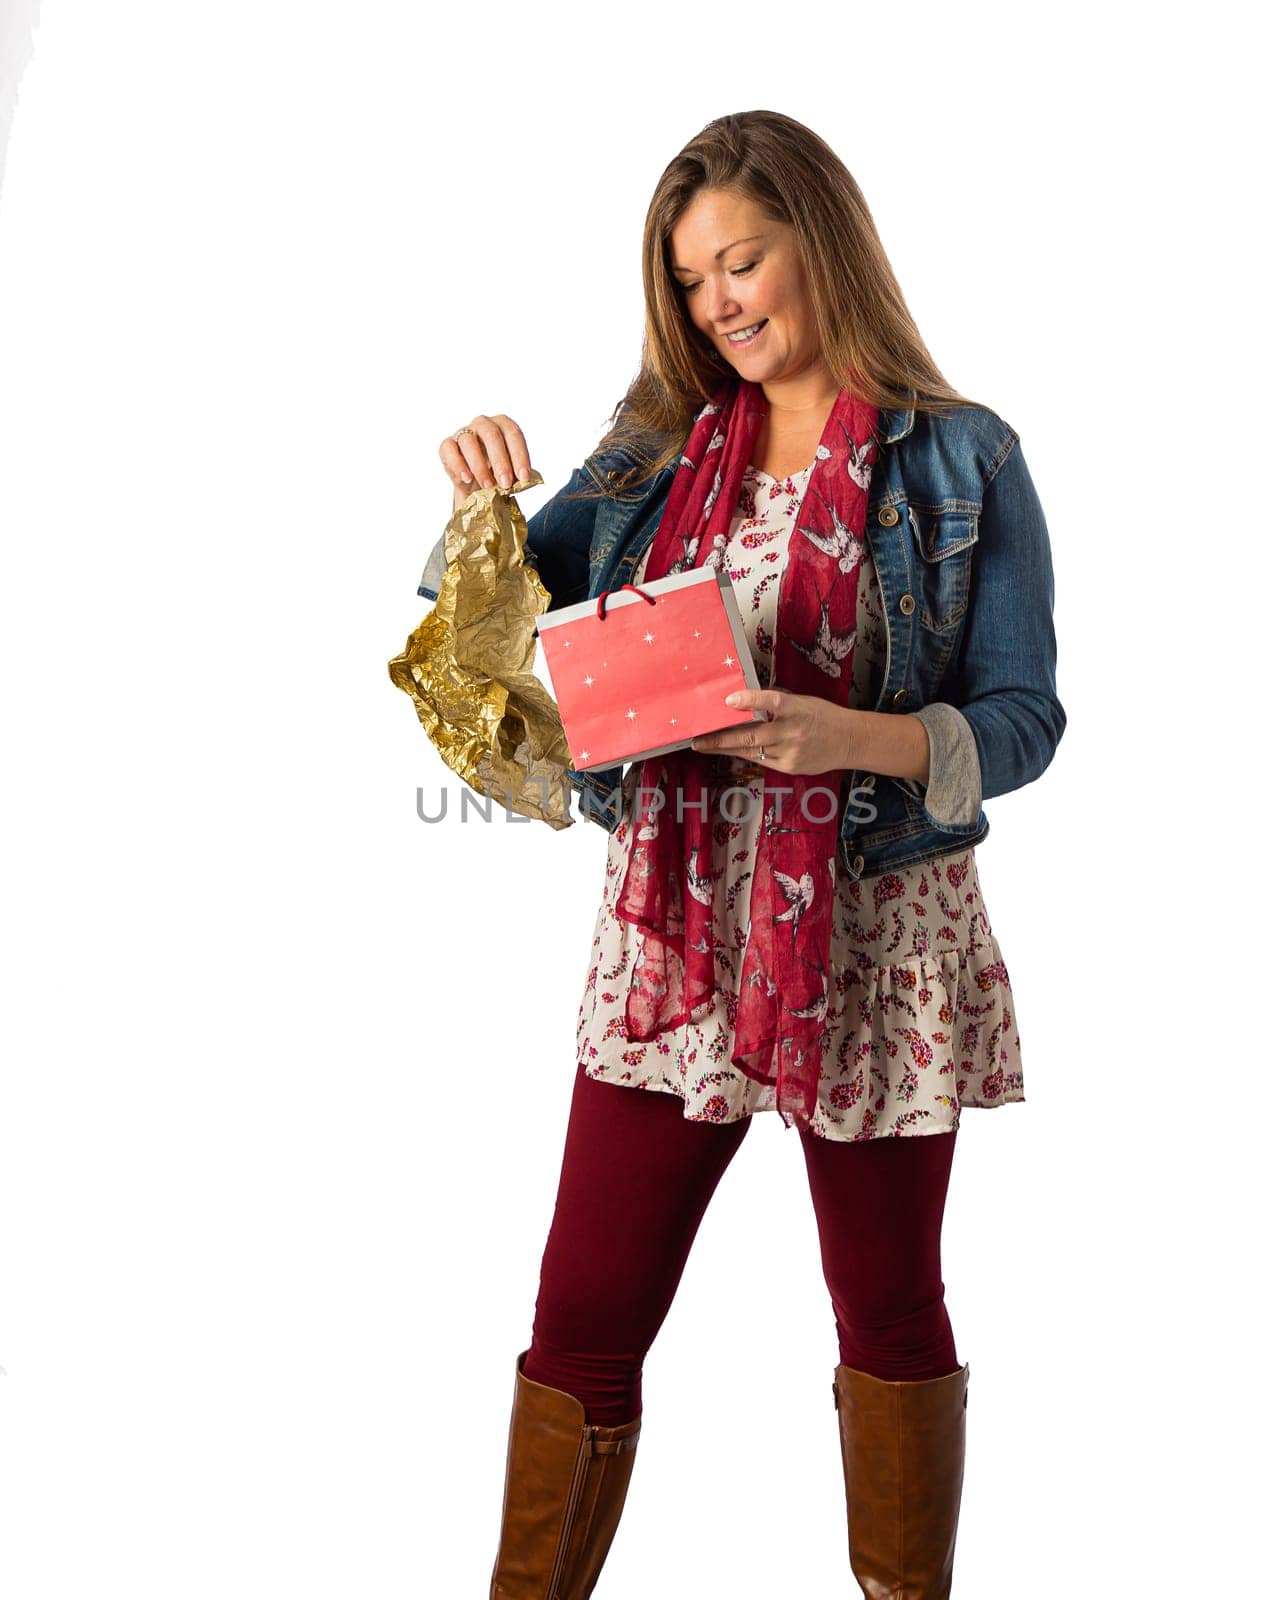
(565, 1488)
(903, 1452)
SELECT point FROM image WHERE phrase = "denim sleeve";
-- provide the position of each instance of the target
(1003, 721)
(558, 542)
(559, 537)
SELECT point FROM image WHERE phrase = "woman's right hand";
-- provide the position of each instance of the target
(486, 451)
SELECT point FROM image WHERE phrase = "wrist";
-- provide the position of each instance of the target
(891, 743)
(858, 740)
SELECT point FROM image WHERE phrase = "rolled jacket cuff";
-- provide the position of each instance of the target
(434, 569)
(954, 795)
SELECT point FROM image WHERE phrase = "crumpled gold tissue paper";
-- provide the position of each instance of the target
(468, 666)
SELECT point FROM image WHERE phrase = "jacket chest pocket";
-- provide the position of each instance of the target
(944, 537)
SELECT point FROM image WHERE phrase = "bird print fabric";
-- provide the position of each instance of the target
(777, 1034)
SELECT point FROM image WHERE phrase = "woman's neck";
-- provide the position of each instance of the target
(796, 400)
(788, 440)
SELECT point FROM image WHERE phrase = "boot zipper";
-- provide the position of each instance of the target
(573, 1501)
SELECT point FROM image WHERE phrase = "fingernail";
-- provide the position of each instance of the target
(732, 700)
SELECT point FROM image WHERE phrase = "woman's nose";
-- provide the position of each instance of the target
(721, 308)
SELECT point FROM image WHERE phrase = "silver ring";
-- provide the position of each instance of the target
(762, 756)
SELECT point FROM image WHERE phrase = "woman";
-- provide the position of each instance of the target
(821, 947)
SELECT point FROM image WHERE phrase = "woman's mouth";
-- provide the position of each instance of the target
(743, 338)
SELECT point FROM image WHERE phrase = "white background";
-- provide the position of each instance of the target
(286, 1070)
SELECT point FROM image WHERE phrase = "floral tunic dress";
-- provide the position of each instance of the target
(921, 1021)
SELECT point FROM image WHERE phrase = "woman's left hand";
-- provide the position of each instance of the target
(806, 734)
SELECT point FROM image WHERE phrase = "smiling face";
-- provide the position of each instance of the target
(737, 268)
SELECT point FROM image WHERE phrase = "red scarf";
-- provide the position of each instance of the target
(780, 1010)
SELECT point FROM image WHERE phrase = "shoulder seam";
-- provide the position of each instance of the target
(1002, 455)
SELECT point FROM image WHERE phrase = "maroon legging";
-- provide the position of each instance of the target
(636, 1179)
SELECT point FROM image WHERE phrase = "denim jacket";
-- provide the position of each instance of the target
(962, 556)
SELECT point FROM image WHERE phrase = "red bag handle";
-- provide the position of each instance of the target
(602, 599)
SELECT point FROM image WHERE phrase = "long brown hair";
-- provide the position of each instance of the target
(864, 325)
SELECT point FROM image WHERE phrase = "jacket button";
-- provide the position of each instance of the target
(888, 516)
(906, 605)
(612, 474)
(858, 863)
(901, 697)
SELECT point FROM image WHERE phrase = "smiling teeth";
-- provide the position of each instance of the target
(746, 333)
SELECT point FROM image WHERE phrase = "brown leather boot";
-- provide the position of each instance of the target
(565, 1485)
(903, 1448)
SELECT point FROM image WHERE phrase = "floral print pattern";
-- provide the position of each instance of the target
(922, 1019)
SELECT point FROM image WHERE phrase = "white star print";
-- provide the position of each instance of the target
(648, 638)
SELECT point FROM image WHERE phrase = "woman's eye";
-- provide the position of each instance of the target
(737, 272)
